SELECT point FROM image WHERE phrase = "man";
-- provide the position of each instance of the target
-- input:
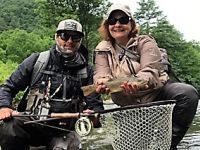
(57, 90)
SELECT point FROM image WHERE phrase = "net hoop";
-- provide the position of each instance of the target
(140, 127)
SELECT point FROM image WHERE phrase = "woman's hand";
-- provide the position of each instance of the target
(101, 86)
(133, 87)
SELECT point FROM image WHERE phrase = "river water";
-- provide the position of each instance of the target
(98, 140)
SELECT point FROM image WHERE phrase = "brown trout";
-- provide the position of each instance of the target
(114, 85)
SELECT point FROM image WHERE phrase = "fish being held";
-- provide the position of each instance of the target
(114, 85)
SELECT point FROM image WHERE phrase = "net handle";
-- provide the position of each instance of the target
(138, 106)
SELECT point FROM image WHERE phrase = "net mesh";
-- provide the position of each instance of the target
(143, 128)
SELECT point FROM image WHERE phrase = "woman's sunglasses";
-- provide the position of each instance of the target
(122, 20)
(65, 36)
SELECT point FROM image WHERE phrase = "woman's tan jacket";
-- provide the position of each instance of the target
(141, 57)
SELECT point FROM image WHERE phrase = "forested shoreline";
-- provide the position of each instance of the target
(28, 26)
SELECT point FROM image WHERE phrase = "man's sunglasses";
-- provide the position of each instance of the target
(66, 36)
(122, 20)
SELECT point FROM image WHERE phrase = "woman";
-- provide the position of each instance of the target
(124, 53)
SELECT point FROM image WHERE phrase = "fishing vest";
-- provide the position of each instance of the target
(39, 101)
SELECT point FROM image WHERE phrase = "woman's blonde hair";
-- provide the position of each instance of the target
(105, 34)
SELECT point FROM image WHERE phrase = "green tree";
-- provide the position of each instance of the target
(88, 12)
(148, 15)
(17, 44)
(18, 14)
(184, 56)
(6, 69)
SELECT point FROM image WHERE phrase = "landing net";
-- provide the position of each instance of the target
(145, 127)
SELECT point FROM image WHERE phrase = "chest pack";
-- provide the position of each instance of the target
(39, 66)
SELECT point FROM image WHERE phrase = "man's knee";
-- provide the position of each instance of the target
(70, 141)
(12, 133)
(12, 128)
(9, 138)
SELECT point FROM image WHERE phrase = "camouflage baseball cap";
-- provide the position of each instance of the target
(70, 25)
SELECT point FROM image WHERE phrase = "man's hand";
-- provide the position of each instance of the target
(6, 113)
(95, 120)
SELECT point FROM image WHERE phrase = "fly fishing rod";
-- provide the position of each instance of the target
(83, 125)
(68, 115)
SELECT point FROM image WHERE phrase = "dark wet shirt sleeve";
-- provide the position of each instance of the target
(18, 81)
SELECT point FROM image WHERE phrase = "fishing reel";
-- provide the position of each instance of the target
(83, 126)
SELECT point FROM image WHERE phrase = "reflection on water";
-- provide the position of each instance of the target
(98, 140)
(191, 141)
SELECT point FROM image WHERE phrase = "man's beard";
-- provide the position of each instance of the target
(65, 51)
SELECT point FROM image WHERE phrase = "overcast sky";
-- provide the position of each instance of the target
(183, 14)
